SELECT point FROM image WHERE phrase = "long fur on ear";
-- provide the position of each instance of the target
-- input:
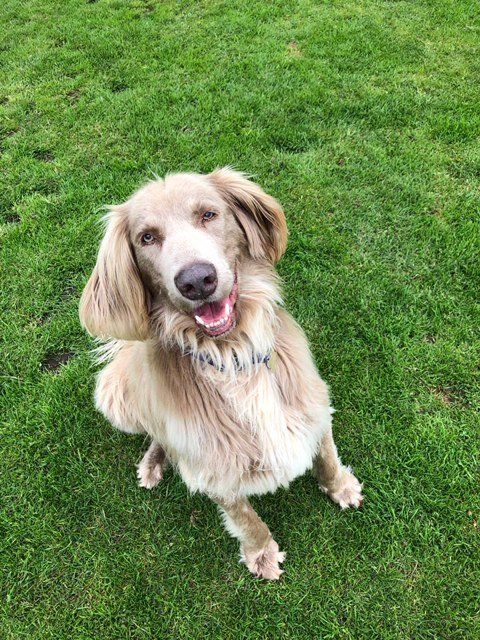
(113, 303)
(260, 216)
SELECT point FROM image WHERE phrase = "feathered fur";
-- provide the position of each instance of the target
(231, 427)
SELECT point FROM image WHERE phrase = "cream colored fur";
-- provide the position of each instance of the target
(246, 429)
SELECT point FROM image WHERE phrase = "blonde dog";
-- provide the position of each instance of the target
(202, 356)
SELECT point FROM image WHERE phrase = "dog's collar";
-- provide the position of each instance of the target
(257, 358)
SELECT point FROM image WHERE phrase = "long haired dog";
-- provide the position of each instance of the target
(204, 359)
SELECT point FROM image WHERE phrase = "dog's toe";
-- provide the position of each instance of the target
(265, 563)
(149, 475)
(348, 493)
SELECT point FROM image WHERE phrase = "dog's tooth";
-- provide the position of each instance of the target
(227, 309)
(200, 321)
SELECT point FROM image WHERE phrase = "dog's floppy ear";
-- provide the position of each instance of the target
(260, 216)
(113, 303)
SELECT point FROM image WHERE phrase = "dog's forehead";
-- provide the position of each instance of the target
(176, 194)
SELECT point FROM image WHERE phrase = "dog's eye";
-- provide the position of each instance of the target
(208, 215)
(148, 238)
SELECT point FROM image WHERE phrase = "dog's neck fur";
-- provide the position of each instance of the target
(254, 335)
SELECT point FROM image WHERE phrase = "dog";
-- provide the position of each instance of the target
(201, 355)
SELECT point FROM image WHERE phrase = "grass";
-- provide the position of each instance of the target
(362, 117)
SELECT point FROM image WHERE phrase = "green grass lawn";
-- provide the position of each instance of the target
(362, 117)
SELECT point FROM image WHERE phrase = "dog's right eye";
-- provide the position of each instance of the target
(148, 238)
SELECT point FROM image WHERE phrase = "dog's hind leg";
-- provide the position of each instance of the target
(152, 465)
(259, 551)
(336, 480)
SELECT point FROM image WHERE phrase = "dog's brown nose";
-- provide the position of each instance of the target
(197, 281)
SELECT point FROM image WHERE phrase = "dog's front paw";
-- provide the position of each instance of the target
(347, 491)
(148, 474)
(265, 563)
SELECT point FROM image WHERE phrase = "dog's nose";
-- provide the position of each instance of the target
(197, 281)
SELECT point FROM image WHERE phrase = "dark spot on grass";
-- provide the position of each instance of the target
(53, 361)
(194, 516)
(4, 135)
(73, 95)
(117, 86)
(12, 218)
(41, 320)
(143, 7)
(436, 212)
(149, 7)
(291, 146)
(68, 292)
(449, 395)
(46, 185)
(4, 99)
(43, 154)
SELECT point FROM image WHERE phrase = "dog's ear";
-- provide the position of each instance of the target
(260, 216)
(114, 302)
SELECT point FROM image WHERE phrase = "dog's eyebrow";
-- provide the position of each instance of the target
(205, 205)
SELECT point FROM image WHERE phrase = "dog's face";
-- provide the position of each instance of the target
(179, 243)
(187, 244)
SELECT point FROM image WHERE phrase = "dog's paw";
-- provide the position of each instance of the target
(149, 475)
(347, 492)
(265, 563)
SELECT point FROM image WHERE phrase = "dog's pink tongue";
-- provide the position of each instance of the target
(212, 311)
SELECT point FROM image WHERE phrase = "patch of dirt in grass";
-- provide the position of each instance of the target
(53, 361)
(143, 7)
(449, 395)
(68, 292)
(4, 136)
(436, 212)
(117, 86)
(12, 217)
(43, 154)
(73, 96)
(41, 320)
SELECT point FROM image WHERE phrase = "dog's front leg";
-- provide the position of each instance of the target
(152, 465)
(258, 549)
(336, 480)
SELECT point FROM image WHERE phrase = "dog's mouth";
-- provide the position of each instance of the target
(216, 318)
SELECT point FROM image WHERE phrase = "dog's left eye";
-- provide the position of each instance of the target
(208, 215)
(148, 238)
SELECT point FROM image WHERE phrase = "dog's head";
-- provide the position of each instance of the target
(177, 245)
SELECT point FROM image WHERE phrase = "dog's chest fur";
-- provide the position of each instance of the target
(243, 433)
